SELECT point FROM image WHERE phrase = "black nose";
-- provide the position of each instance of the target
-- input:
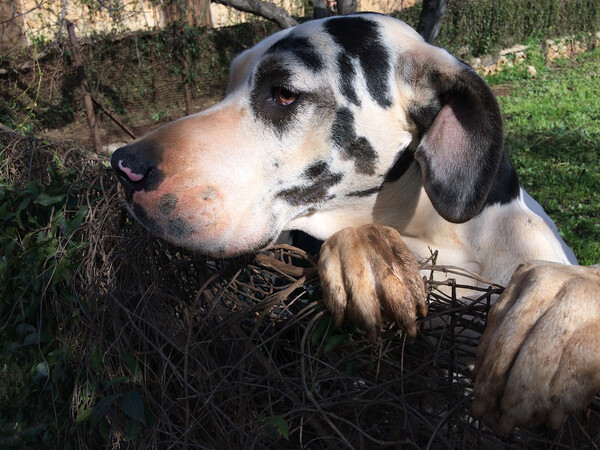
(136, 165)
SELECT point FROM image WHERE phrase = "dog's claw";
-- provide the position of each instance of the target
(370, 275)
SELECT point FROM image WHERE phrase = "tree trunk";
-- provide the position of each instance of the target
(430, 20)
(319, 9)
(346, 6)
(87, 97)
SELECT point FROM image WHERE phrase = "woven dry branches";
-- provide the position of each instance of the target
(241, 354)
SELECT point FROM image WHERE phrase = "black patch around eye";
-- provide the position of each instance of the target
(360, 38)
(313, 193)
(302, 49)
(268, 75)
(343, 134)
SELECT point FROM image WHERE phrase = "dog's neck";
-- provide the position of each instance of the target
(481, 245)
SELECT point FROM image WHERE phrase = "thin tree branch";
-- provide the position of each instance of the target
(37, 6)
(264, 9)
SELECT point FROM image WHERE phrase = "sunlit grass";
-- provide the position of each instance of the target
(552, 125)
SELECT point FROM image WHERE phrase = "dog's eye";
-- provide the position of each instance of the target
(283, 96)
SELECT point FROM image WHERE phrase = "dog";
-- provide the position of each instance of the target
(356, 131)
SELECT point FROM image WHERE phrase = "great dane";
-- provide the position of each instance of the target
(356, 131)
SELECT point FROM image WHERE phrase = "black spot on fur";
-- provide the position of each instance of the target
(178, 228)
(166, 204)
(316, 170)
(505, 187)
(365, 193)
(347, 78)
(342, 131)
(364, 155)
(360, 38)
(343, 134)
(314, 193)
(301, 48)
(404, 161)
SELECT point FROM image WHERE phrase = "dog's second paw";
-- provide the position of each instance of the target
(369, 274)
(538, 357)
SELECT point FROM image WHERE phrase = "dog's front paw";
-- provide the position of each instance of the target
(539, 357)
(369, 274)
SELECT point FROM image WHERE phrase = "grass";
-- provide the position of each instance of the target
(552, 126)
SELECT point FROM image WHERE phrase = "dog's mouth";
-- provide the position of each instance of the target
(174, 227)
(216, 240)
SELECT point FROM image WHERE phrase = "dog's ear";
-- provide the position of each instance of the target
(460, 128)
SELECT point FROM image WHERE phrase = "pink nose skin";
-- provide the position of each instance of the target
(127, 171)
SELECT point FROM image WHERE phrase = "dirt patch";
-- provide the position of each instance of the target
(502, 90)
(140, 77)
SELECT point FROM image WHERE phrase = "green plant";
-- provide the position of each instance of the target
(161, 115)
(39, 253)
(478, 27)
(48, 391)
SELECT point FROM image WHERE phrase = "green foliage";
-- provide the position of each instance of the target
(181, 46)
(42, 379)
(478, 27)
(39, 253)
(277, 426)
(552, 134)
(133, 76)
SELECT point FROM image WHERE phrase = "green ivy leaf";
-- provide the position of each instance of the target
(333, 341)
(96, 360)
(70, 227)
(45, 199)
(321, 328)
(84, 415)
(280, 426)
(131, 430)
(102, 407)
(133, 405)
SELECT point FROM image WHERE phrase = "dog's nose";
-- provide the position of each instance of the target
(136, 166)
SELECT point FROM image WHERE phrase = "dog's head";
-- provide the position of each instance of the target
(314, 124)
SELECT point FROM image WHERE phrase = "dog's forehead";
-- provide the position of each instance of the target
(368, 38)
(351, 33)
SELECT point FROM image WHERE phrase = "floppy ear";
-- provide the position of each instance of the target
(461, 132)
